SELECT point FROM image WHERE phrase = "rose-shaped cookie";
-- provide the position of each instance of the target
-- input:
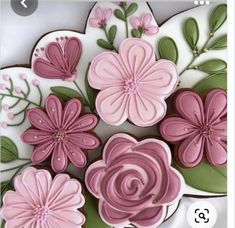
(133, 84)
(134, 181)
(199, 129)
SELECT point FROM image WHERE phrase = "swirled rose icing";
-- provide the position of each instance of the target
(134, 181)
(132, 84)
(199, 128)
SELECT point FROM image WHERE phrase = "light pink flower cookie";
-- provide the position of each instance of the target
(101, 17)
(134, 181)
(40, 201)
(199, 129)
(61, 132)
(133, 84)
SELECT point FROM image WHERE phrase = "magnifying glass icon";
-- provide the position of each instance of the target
(202, 216)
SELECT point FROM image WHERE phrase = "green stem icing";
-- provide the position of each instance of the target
(40, 95)
(196, 54)
(28, 88)
(107, 37)
(16, 167)
(16, 103)
(19, 123)
(11, 84)
(123, 6)
(24, 159)
(82, 94)
(23, 110)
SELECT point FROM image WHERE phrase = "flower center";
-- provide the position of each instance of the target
(41, 213)
(102, 22)
(131, 86)
(207, 130)
(60, 135)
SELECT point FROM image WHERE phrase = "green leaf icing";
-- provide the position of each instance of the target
(131, 9)
(9, 151)
(168, 49)
(66, 93)
(212, 66)
(119, 14)
(219, 43)
(112, 33)
(218, 17)
(104, 44)
(191, 32)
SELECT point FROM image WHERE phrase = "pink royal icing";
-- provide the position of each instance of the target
(101, 17)
(200, 129)
(40, 201)
(133, 84)
(59, 59)
(61, 132)
(134, 181)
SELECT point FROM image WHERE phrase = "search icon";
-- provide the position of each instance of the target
(202, 216)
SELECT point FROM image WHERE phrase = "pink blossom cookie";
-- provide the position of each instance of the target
(133, 84)
(101, 17)
(134, 181)
(199, 129)
(60, 132)
(40, 201)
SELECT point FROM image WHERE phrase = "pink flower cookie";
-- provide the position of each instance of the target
(59, 59)
(133, 84)
(40, 201)
(199, 129)
(134, 181)
(60, 132)
(101, 17)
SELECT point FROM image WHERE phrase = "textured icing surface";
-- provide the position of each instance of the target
(60, 132)
(40, 201)
(133, 84)
(59, 59)
(134, 181)
(200, 128)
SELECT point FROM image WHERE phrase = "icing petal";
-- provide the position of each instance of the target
(149, 217)
(161, 78)
(84, 123)
(175, 129)
(190, 151)
(216, 152)
(94, 176)
(99, 13)
(136, 55)
(106, 70)
(135, 22)
(45, 69)
(59, 159)
(72, 51)
(112, 216)
(151, 30)
(84, 140)
(189, 105)
(107, 13)
(54, 110)
(220, 130)
(39, 119)
(16, 223)
(117, 145)
(147, 18)
(111, 105)
(71, 112)
(34, 136)
(215, 105)
(42, 151)
(145, 111)
(94, 22)
(76, 155)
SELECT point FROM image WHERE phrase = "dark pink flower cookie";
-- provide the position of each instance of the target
(60, 132)
(134, 181)
(199, 129)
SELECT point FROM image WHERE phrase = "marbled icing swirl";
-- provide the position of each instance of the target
(134, 181)
(199, 129)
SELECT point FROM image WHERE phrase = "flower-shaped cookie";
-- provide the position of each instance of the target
(40, 201)
(134, 181)
(61, 132)
(199, 129)
(133, 84)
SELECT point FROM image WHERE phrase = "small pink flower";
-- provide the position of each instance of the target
(101, 17)
(36, 82)
(61, 132)
(40, 201)
(2, 86)
(143, 24)
(5, 107)
(134, 181)
(18, 90)
(11, 116)
(4, 125)
(6, 77)
(23, 76)
(132, 84)
(199, 128)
